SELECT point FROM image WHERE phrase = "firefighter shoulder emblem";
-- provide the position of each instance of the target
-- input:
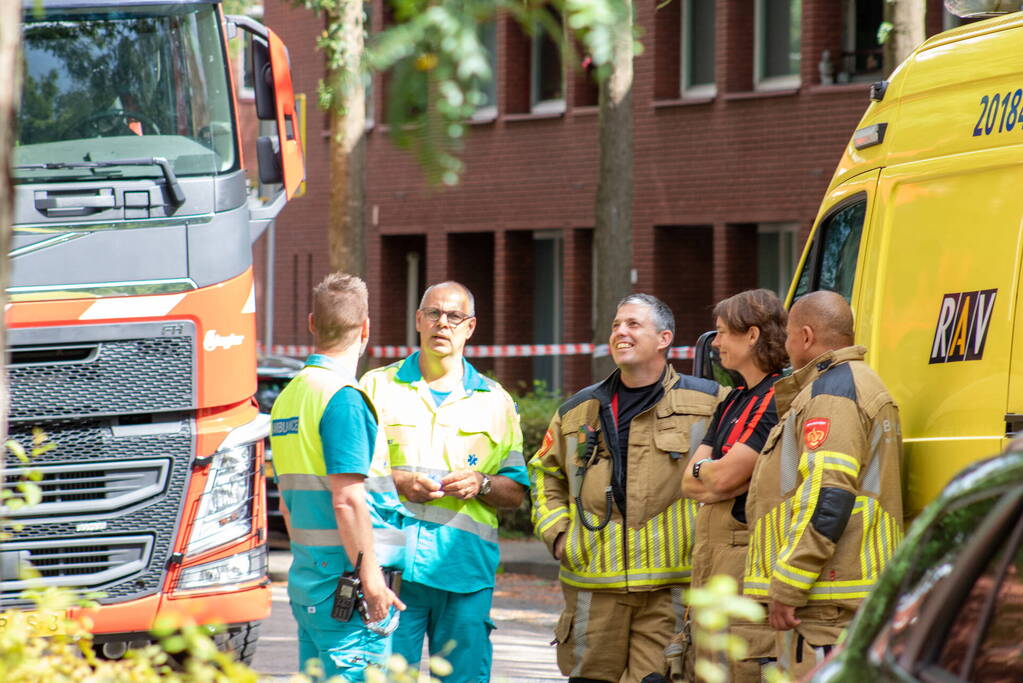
(815, 432)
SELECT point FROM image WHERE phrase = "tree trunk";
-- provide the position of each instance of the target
(346, 230)
(10, 94)
(908, 30)
(612, 237)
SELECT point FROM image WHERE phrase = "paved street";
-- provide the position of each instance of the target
(526, 607)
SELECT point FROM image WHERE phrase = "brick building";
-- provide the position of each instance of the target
(741, 111)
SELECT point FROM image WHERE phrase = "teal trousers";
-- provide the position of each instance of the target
(457, 627)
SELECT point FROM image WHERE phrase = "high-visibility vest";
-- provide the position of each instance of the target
(453, 542)
(319, 557)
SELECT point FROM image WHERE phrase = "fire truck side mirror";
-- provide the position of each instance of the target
(275, 101)
(263, 81)
(268, 152)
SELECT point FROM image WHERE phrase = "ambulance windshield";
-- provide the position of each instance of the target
(121, 83)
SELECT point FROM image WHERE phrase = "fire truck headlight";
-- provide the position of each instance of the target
(247, 566)
(225, 507)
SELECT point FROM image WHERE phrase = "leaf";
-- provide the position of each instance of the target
(18, 450)
(883, 31)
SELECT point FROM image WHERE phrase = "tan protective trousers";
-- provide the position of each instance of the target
(803, 648)
(720, 548)
(616, 636)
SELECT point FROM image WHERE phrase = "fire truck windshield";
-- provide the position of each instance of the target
(120, 82)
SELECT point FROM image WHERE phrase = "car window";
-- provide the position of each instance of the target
(984, 643)
(831, 263)
(930, 566)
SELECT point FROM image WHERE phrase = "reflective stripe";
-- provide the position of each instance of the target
(632, 580)
(582, 617)
(678, 606)
(550, 519)
(810, 488)
(380, 484)
(839, 466)
(791, 576)
(428, 471)
(845, 589)
(697, 431)
(382, 536)
(513, 459)
(316, 537)
(872, 479)
(789, 455)
(302, 482)
(315, 482)
(450, 518)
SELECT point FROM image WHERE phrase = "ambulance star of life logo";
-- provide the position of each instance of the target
(472, 460)
(815, 431)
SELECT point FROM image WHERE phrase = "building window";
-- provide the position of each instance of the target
(777, 255)
(547, 87)
(487, 109)
(547, 313)
(777, 43)
(862, 57)
(698, 48)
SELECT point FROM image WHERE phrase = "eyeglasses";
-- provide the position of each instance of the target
(455, 318)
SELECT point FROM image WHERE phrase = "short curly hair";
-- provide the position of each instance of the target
(760, 308)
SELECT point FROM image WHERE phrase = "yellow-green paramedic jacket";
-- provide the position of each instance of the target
(452, 542)
(825, 499)
(652, 546)
(319, 557)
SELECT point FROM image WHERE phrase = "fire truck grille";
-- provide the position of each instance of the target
(111, 501)
(67, 562)
(54, 379)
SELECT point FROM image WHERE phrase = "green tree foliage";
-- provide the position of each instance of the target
(435, 53)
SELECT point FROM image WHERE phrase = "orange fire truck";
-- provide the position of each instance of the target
(131, 320)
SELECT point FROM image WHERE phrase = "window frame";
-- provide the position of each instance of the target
(813, 253)
(488, 112)
(780, 228)
(688, 90)
(536, 105)
(850, 26)
(761, 82)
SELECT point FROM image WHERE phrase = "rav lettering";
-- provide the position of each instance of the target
(963, 321)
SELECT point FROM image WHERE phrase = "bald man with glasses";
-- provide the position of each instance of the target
(455, 448)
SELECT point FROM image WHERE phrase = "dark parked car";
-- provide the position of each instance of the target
(950, 605)
(273, 374)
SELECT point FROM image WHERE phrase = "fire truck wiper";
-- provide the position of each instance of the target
(177, 195)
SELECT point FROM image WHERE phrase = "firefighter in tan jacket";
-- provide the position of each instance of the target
(607, 501)
(825, 500)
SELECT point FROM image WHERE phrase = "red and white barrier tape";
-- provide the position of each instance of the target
(493, 351)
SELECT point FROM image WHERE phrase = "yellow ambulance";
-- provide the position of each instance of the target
(922, 230)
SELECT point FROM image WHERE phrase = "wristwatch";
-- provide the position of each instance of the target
(697, 465)
(485, 486)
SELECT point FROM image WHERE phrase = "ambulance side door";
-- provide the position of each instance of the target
(937, 303)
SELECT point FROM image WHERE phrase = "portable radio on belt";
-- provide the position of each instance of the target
(348, 594)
